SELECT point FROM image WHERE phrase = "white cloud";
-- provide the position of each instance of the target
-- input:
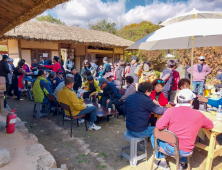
(81, 12)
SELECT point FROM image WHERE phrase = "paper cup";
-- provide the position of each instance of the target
(109, 109)
(99, 105)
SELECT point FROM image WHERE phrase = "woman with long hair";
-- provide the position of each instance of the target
(87, 66)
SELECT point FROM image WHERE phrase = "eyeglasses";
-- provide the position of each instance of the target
(202, 60)
(160, 81)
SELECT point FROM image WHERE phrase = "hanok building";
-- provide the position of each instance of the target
(33, 39)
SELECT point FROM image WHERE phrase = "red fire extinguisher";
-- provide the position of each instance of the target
(10, 122)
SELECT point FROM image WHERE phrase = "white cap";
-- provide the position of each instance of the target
(184, 97)
(201, 58)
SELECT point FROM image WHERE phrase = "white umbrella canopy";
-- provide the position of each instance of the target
(183, 35)
(191, 15)
(207, 32)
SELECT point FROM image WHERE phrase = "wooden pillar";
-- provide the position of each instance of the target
(113, 56)
(59, 48)
(19, 49)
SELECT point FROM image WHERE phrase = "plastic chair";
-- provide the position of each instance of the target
(133, 158)
(52, 99)
(37, 109)
(171, 138)
(66, 107)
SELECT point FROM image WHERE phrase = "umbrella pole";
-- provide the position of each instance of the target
(191, 77)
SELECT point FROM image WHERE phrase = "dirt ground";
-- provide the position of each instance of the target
(90, 150)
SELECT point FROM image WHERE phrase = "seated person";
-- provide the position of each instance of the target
(41, 88)
(77, 79)
(184, 84)
(138, 107)
(185, 123)
(219, 77)
(109, 77)
(59, 78)
(34, 65)
(77, 106)
(110, 93)
(93, 88)
(60, 87)
(158, 97)
(130, 89)
(52, 81)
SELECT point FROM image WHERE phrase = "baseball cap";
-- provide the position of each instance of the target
(102, 81)
(105, 58)
(90, 78)
(4, 56)
(109, 74)
(184, 97)
(201, 58)
(60, 71)
(134, 57)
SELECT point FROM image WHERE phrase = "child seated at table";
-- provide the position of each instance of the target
(158, 97)
(59, 78)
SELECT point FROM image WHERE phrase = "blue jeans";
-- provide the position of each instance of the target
(170, 150)
(198, 85)
(93, 113)
(146, 133)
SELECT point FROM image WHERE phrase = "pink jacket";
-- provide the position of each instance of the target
(199, 76)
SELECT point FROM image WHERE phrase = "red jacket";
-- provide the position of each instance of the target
(176, 79)
(54, 67)
(162, 99)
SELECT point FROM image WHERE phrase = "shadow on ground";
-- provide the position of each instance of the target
(90, 150)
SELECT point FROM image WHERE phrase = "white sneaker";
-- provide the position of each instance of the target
(66, 118)
(81, 121)
(94, 127)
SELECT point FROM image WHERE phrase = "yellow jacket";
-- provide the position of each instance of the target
(96, 85)
(145, 76)
(69, 97)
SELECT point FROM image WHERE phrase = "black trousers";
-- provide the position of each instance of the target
(153, 120)
(104, 99)
(217, 87)
(86, 96)
(119, 107)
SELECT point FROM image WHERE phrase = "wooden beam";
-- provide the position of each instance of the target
(12, 5)
(99, 51)
(38, 49)
(217, 151)
(202, 146)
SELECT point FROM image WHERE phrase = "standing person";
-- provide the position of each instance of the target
(138, 107)
(56, 66)
(26, 67)
(185, 123)
(110, 93)
(130, 89)
(34, 65)
(4, 70)
(77, 79)
(167, 77)
(145, 72)
(18, 75)
(134, 64)
(219, 77)
(10, 75)
(127, 69)
(106, 67)
(69, 63)
(187, 75)
(87, 66)
(120, 72)
(176, 79)
(95, 66)
(77, 106)
(200, 71)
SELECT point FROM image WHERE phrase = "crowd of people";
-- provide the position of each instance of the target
(145, 94)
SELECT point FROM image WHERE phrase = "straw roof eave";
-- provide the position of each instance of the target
(48, 32)
(17, 12)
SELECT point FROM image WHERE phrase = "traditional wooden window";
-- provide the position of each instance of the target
(36, 53)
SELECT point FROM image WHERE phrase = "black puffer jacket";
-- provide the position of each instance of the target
(4, 69)
(120, 74)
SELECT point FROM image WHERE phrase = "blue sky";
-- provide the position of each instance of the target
(125, 12)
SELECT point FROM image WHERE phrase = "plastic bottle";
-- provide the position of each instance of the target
(218, 116)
